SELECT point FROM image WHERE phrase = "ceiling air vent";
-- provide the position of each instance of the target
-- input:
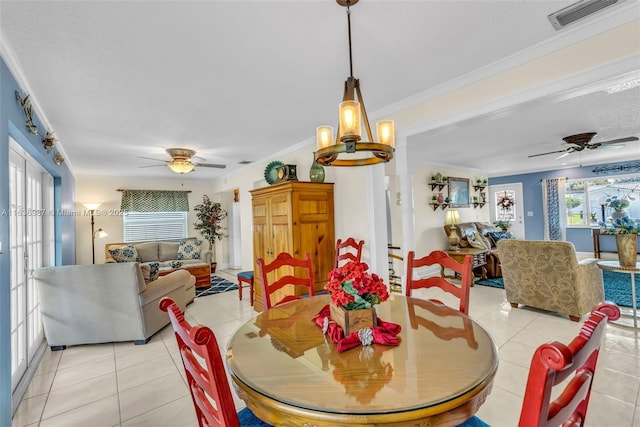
(577, 11)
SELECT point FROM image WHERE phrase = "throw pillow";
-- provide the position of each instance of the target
(189, 249)
(146, 272)
(125, 254)
(154, 270)
(476, 240)
(496, 236)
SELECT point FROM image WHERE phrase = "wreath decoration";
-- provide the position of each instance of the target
(506, 203)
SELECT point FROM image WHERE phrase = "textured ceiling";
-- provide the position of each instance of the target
(241, 80)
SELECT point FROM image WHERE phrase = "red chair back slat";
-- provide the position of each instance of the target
(553, 363)
(285, 260)
(206, 383)
(349, 250)
(441, 258)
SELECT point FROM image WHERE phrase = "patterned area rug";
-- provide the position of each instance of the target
(617, 287)
(218, 285)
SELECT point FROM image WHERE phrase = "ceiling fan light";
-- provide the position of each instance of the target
(181, 166)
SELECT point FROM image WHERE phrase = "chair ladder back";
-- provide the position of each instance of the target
(344, 251)
(208, 383)
(285, 260)
(554, 362)
(441, 258)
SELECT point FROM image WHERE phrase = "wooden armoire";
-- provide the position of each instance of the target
(294, 217)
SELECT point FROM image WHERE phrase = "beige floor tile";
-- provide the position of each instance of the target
(77, 395)
(142, 373)
(131, 355)
(517, 353)
(636, 418)
(180, 412)
(50, 361)
(101, 413)
(547, 328)
(87, 370)
(499, 328)
(29, 411)
(616, 384)
(154, 394)
(40, 384)
(511, 377)
(501, 409)
(82, 354)
(607, 411)
(628, 363)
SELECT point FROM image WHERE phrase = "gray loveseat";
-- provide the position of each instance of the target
(163, 252)
(87, 304)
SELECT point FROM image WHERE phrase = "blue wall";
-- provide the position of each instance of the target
(12, 121)
(532, 189)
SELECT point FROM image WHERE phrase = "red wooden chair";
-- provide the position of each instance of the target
(288, 277)
(441, 258)
(551, 365)
(207, 383)
(554, 362)
(348, 250)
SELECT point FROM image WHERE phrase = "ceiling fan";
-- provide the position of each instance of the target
(580, 141)
(181, 161)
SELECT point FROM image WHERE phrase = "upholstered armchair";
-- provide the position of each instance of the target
(547, 275)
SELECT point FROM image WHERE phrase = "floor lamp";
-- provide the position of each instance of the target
(99, 232)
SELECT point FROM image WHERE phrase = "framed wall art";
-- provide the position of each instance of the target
(458, 192)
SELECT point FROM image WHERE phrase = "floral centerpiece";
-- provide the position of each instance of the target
(354, 292)
(621, 225)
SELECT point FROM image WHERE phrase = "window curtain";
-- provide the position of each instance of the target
(154, 201)
(554, 206)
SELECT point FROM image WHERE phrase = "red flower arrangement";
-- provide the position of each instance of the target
(353, 288)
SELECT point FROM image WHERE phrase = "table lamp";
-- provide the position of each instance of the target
(452, 219)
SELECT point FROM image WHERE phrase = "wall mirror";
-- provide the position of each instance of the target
(459, 192)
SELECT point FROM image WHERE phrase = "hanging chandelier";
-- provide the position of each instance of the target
(352, 116)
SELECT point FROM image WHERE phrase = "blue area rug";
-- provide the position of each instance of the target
(218, 285)
(617, 287)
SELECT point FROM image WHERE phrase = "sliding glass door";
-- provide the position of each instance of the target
(31, 246)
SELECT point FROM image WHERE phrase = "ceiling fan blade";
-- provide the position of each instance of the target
(151, 166)
(619, 141)
(567, 150)
(157, 160)
(210, 165)
(565, 154)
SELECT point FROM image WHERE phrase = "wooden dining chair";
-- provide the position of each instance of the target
(206, 375)
(349, 250)
(465, 270)
(566, 371)
(287, 276)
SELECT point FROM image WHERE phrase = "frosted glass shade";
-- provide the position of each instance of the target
(385, 132)
(324, 137)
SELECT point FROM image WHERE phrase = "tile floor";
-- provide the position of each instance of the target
(125, 385)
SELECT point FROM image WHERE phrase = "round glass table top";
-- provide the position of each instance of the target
(284, 356)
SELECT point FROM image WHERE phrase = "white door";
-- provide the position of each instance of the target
(513, 212)
(31, 242)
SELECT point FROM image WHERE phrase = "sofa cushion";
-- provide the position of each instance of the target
(150, 271)
(476, 240)
(496, 236)
(189, 249)
(167, 251)
(126, 253)
(148, 251)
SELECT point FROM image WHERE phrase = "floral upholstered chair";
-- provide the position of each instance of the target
(547, 275)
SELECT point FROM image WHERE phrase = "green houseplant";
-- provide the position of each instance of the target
(210, 215)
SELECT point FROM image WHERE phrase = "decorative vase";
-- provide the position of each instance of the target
(353, 320)
(316, 173)
(627, 245)
(440, 198)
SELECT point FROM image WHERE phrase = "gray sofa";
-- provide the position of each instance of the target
(86, 304)
(163, 252)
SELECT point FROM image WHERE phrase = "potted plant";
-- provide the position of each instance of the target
(502, 224)
(210, 215)
(626, 230)
(434, 198)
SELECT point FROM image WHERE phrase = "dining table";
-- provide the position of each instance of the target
(289, 373)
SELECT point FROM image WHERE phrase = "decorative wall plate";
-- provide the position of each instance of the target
(271, 171)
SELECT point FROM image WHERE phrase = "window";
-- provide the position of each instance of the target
(142, 226)
(588, 201)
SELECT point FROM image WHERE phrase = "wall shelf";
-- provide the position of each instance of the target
(479, 187)
(479, 204)
(440, 185)
(439, 205)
